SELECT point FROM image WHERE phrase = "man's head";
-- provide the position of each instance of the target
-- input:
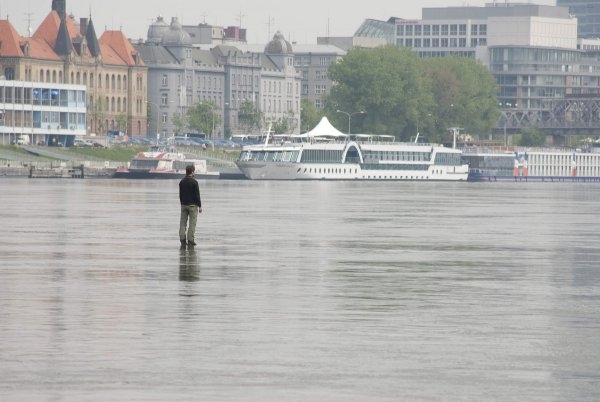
(189, 170)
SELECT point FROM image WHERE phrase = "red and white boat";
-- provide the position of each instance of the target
(163, 163)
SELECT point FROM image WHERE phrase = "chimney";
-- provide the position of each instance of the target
(83, 24)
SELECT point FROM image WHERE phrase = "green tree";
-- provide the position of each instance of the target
(98, 113)
(464, 92)
(248, 117)
(202, 117)
(179, 122)
(402, 94)
(531, 137)
(385, 82)
(122, 122)
(280, 126)
(309, 116)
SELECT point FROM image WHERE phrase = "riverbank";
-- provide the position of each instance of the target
(42, 161)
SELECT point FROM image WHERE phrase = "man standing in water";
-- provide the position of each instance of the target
(191, 206)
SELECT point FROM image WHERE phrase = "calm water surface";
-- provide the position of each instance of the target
(310, 291)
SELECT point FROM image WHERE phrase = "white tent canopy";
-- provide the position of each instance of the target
(323, 129)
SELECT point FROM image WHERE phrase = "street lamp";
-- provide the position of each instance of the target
(418, 118)
(157, 117)
(350, 116)
(226, 122)
(505, 105)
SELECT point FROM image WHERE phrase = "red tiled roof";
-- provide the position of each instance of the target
(116, 48)
(10, 40)
(48, 29)
(40, 49)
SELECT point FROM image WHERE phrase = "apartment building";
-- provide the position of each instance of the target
(182, 72)
(41, 113)
(61, 51)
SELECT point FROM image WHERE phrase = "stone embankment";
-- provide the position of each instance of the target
(56, 169)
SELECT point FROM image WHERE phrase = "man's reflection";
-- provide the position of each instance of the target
(188, 264)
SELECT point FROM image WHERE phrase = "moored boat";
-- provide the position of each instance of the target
(531, 164)
(325, 153)
(163, 163)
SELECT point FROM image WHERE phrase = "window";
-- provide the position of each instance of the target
(164, 99)
(409, 30)
(462, 29)
(435, 29)
(418, 30)
(444, 30)
(474, 29)
(9, 73)
(482, 29)
(426, 30)
(400, 30)
(454, 29)
(444, 42)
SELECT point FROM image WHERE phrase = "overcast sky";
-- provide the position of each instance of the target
(299, 21)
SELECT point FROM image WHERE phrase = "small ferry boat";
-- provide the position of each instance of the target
(325, 153)
(530, 164)
(162, 163)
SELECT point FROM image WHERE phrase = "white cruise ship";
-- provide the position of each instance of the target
(325, 153)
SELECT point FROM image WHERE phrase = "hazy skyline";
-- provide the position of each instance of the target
(299, 22)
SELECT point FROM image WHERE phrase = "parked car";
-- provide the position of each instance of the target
(226, 144)
(82, 143)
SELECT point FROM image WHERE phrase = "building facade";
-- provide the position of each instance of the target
(312, 62)
(541, 68)
(62, 51)
(182, 73)
(587, 14)
(41, 113)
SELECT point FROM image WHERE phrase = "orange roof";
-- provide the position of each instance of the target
(39, 49)
(116, 48)
(114, 45)
(10, 40)
(48, 29)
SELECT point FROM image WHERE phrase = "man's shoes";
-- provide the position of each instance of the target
(191, 243)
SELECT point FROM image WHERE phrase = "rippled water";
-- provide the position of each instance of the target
(300, 291)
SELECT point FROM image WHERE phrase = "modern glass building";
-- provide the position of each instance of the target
(547, 77)
(41, 113)
(588, 16)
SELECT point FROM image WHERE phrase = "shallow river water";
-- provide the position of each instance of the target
(300, 291)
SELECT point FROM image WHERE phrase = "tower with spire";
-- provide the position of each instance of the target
(60, 6)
